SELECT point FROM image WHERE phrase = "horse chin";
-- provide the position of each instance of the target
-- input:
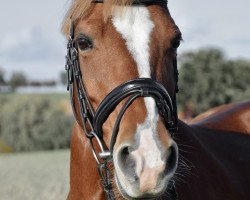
(133, 193)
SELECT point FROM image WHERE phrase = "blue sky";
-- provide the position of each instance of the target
(31, 41)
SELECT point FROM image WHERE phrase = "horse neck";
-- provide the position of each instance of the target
(194, 147)
(203, 165)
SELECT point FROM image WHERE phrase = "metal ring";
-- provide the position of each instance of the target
(98, 140)
(104, 154)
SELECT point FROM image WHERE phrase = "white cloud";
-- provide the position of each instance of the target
(214, 23)
(29, 45)
(30, 38)
(33, 51)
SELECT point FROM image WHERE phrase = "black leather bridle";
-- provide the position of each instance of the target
(92, 121)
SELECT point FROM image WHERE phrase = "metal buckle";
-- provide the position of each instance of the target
(104, 154)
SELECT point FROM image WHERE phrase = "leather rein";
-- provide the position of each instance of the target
(92, 121)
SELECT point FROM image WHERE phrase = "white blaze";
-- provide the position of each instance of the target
(136, 27)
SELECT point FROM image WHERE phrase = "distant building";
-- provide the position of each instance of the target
(42, 89)
(5, 88)
(35, 87)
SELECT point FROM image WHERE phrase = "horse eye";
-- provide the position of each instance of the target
(176, 43)
(84, 43)
(177, 40)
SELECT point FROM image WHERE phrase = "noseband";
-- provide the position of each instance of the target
(92, 121)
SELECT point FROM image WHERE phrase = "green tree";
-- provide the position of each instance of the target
(63, 77)
(2, 76)
(31, 122)
(208, 79)
(17, 79)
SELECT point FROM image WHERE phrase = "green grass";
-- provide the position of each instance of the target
(54, 96)
(34, 176)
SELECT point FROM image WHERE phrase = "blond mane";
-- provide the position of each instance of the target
(79, 8)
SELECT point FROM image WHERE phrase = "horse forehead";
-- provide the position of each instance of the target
(135, 27)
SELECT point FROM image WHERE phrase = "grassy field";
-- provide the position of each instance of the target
(54, 96)
(34, 176)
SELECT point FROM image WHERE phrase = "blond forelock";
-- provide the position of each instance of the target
(79, 8)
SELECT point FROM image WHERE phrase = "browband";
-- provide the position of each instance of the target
(163, 3)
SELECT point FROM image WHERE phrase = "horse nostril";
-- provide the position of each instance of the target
(172, 159)
(126, 162)
(125, 158)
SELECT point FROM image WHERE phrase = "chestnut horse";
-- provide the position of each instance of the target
(233, 117)
(122, 74)
(215, 148)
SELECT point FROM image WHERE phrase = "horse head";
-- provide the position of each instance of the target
(126, 49)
